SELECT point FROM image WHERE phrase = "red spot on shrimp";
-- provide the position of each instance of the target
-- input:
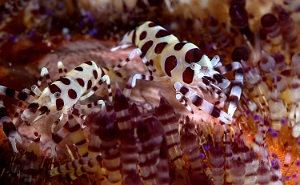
(151, 24)
(159, 47)
(179, 46)
(80, 82)
(59, 104)
(95, 74)
(146, 47)
(54, 88)
(188, 75)
(72, 94)
(65, 81)
(143, 35)
(170, 64)
(193, 55)
(89, 63)
(162, 33)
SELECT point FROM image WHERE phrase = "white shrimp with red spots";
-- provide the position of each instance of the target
(62, 97)
(185, 65)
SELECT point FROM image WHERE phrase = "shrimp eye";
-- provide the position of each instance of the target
(57, 94)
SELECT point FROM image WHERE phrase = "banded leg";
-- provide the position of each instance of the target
(183, 100)
(44, 73)
(139, 52)
(90, 105)
(236, 87)
(8, 127)
(214, 82)
(220, 99)
(56, 139)
(74, 128)
(31, 109)
(125, 42)
(216, 91)
(77, 108)
(24, 95)
(35, 89)
(132, 81)
(61, 69)
(105, 79)
(211, 78)
(18, 112)
(185, 93)
(216, 61)
(56, 122)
